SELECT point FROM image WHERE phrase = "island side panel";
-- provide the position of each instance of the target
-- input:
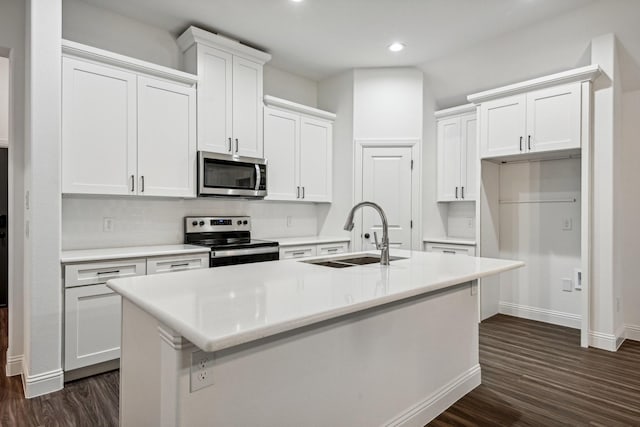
(399, 364)
(140, 368)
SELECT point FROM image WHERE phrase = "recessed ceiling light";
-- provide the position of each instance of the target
(396, 47)
(297, 1)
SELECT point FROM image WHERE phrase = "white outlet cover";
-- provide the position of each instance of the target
(201, 370)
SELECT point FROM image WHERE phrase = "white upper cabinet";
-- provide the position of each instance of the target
(98, 128)
(457, 150)
(298, 144)
(230, 89)
(128, 127)
(166, 138)
(542, 115)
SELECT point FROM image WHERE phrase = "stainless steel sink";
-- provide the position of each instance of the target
(349, 261)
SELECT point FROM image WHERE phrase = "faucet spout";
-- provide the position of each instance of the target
(384, 246)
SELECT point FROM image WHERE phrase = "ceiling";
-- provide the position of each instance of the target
(318, 38)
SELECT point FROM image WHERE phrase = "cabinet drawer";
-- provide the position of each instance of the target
(92, 326)
(168, 264)
(451, 249)
(298, 252)
(333, 248)
(99, 272)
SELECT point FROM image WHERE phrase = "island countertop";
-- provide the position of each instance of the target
(222, 307)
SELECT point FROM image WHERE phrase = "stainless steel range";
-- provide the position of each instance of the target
(229, 238)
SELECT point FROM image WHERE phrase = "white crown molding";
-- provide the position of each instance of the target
(272, 101)
(454, 111)
(587, 73)
(175, 340)
(194, 35)
(79, 50)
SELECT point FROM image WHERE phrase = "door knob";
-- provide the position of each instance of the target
(367, 235)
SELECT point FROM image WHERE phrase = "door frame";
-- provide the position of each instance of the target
(416, 179)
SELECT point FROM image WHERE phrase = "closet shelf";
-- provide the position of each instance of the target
(517, 202)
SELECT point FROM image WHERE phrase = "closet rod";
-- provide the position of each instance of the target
(516, 202)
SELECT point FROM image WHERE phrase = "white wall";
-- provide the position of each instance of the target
(12, 36)
(461, 220)
(88, 24)
(4, 101)
(336, 94)
(292, 87)
(630, 210)
(533, 233)
(388, 103)
(149, 221)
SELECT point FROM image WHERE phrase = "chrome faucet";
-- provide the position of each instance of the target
(384, 247)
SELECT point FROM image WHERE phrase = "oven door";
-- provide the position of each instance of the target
(225, 175)
(243, 256)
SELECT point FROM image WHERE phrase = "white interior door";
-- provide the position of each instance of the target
(386, 180)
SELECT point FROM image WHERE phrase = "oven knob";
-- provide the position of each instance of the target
(239, 222)
(201, 223)
(245, 222)
(194, 223)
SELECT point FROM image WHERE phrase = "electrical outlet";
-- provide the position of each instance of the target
(567, 224)
(567, 285)
(107, 225)
(201, 370)
(470, 222)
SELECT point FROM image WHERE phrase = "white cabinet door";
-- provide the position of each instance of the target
(302, 251)
(469, 157)
(553, 118)
(315, 160)
(98, 129)
(247, 108)
(172, 263)
(332, 248)
(503, 126)
(449, 155)
(281, 135)
(215, 92)
(452, 249)
(92, 326)
(166, 138)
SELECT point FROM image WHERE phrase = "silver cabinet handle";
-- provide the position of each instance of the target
(448, 252)
(133, 183)
(230, 144)
(109, 272)
(298, 253)
(456, 192)
(332, 250)
(303, 192)
(298, 192)
(520, 143)
(529, 142)
(142, 184)
(237, 145)
(462, 192)
(186, 264)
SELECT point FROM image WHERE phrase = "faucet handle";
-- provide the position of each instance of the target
(375, 237)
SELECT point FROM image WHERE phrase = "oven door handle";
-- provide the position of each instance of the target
(258, 177)
(240, 252)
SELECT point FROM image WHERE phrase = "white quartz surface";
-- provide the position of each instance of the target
(84, 255)
(222, 307)
(309, 240)
(450, 240)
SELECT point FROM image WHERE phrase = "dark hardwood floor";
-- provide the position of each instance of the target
(533, 374)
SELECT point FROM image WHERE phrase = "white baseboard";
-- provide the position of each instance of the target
(602, 341)
(632, 332)
(37, 385)
(438, 402)
(14, 365)
(540, 314)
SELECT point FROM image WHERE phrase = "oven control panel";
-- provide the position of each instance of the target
(205, 224)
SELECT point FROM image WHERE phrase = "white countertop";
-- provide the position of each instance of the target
(222, 307)
(84, 255)
(450, 240)
(309, 240)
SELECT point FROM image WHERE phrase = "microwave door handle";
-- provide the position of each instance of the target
(258, 177)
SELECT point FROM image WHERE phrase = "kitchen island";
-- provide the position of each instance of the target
(289, 343)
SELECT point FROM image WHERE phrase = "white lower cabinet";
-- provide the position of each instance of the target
(92, 311)
(305, 251)
(449, 248)
(92, 326)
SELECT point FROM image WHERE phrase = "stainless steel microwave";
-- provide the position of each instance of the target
(232, 176)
